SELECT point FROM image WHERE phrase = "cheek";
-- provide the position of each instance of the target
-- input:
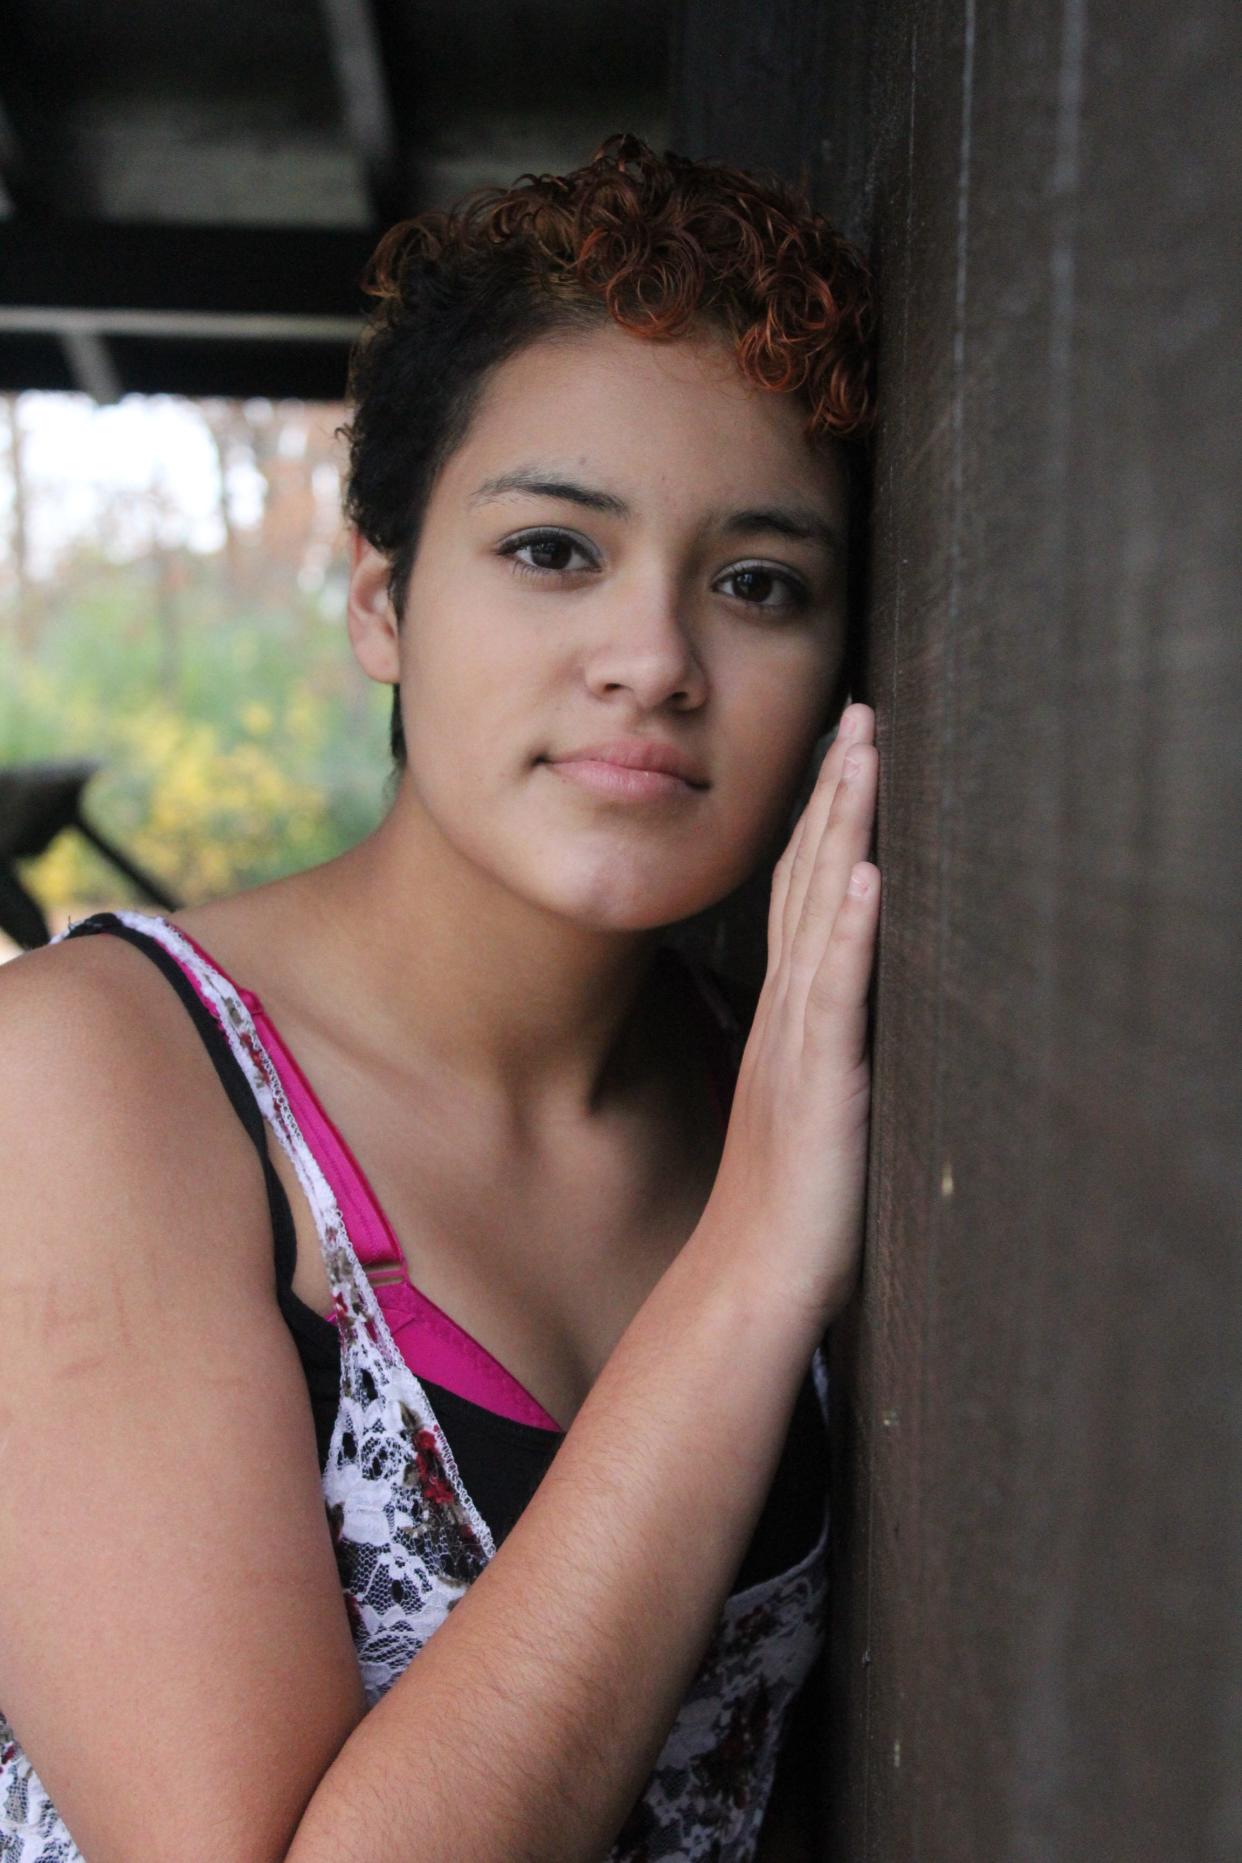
(777, 722)
(466, 691)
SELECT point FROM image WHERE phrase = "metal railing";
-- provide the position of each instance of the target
(38, 802)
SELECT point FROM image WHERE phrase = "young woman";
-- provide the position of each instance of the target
(488, 1329)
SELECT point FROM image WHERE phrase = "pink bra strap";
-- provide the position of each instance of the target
(430, 1340)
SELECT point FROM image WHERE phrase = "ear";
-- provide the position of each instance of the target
(372, 621)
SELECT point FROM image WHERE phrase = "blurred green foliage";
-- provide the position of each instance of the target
(239, 739)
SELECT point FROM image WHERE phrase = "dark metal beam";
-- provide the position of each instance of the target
(41, 167)
(114, 272)
(173, 366)
(299, 371)
(366, 103)
(91, 364)
(179, 309)
(36, 362)
(10, 163)
(87, 326)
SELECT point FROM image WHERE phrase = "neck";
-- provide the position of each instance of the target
(517, 1004)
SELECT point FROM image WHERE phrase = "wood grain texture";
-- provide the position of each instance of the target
(1037, 1454)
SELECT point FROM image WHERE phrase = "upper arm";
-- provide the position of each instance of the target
(175, 1657)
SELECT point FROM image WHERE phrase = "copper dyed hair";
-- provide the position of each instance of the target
(662, 245)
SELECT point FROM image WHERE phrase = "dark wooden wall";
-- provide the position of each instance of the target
(1037, 1635)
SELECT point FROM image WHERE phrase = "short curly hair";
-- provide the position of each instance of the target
(660, 244)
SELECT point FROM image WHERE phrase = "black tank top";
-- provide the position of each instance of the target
(501, 1459)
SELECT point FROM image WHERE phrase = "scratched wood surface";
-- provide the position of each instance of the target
(1037, 1461)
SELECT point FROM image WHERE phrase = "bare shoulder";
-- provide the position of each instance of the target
(110, 1111)
(101, 1069)
(77, 987)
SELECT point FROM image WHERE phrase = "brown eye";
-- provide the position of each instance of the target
(755, 583)
(548, 551)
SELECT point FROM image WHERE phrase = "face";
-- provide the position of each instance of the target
(631, 541)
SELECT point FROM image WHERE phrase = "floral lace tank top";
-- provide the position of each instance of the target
(409, 1540)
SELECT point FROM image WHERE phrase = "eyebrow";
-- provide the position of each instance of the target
(797, 523)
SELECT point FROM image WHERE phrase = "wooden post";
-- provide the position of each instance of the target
(1037, 1468)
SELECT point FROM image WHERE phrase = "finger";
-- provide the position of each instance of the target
(780, 890)
(844, 841)
(856, 726)
(802, 851)
(835, 1024)
(842, 833)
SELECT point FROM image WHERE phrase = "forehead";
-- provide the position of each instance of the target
(669, 419)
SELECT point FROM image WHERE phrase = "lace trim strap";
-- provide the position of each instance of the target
(232, 1078)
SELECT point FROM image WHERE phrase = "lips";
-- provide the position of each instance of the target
(638, 753)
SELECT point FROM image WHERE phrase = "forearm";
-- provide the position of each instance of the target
(528, 1724)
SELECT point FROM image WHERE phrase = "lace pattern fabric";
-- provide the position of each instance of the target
(409, 1540)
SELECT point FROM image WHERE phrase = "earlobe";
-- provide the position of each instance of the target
(372, 622)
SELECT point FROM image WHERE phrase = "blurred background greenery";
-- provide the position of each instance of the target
(172, 603)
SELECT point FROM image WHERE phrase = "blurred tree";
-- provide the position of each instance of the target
(238, 736)
(26, 620)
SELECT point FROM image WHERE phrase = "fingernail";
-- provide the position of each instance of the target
(852, 766)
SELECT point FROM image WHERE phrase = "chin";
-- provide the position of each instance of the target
(608, 903)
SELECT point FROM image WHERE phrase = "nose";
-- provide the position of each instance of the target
(643, 646)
